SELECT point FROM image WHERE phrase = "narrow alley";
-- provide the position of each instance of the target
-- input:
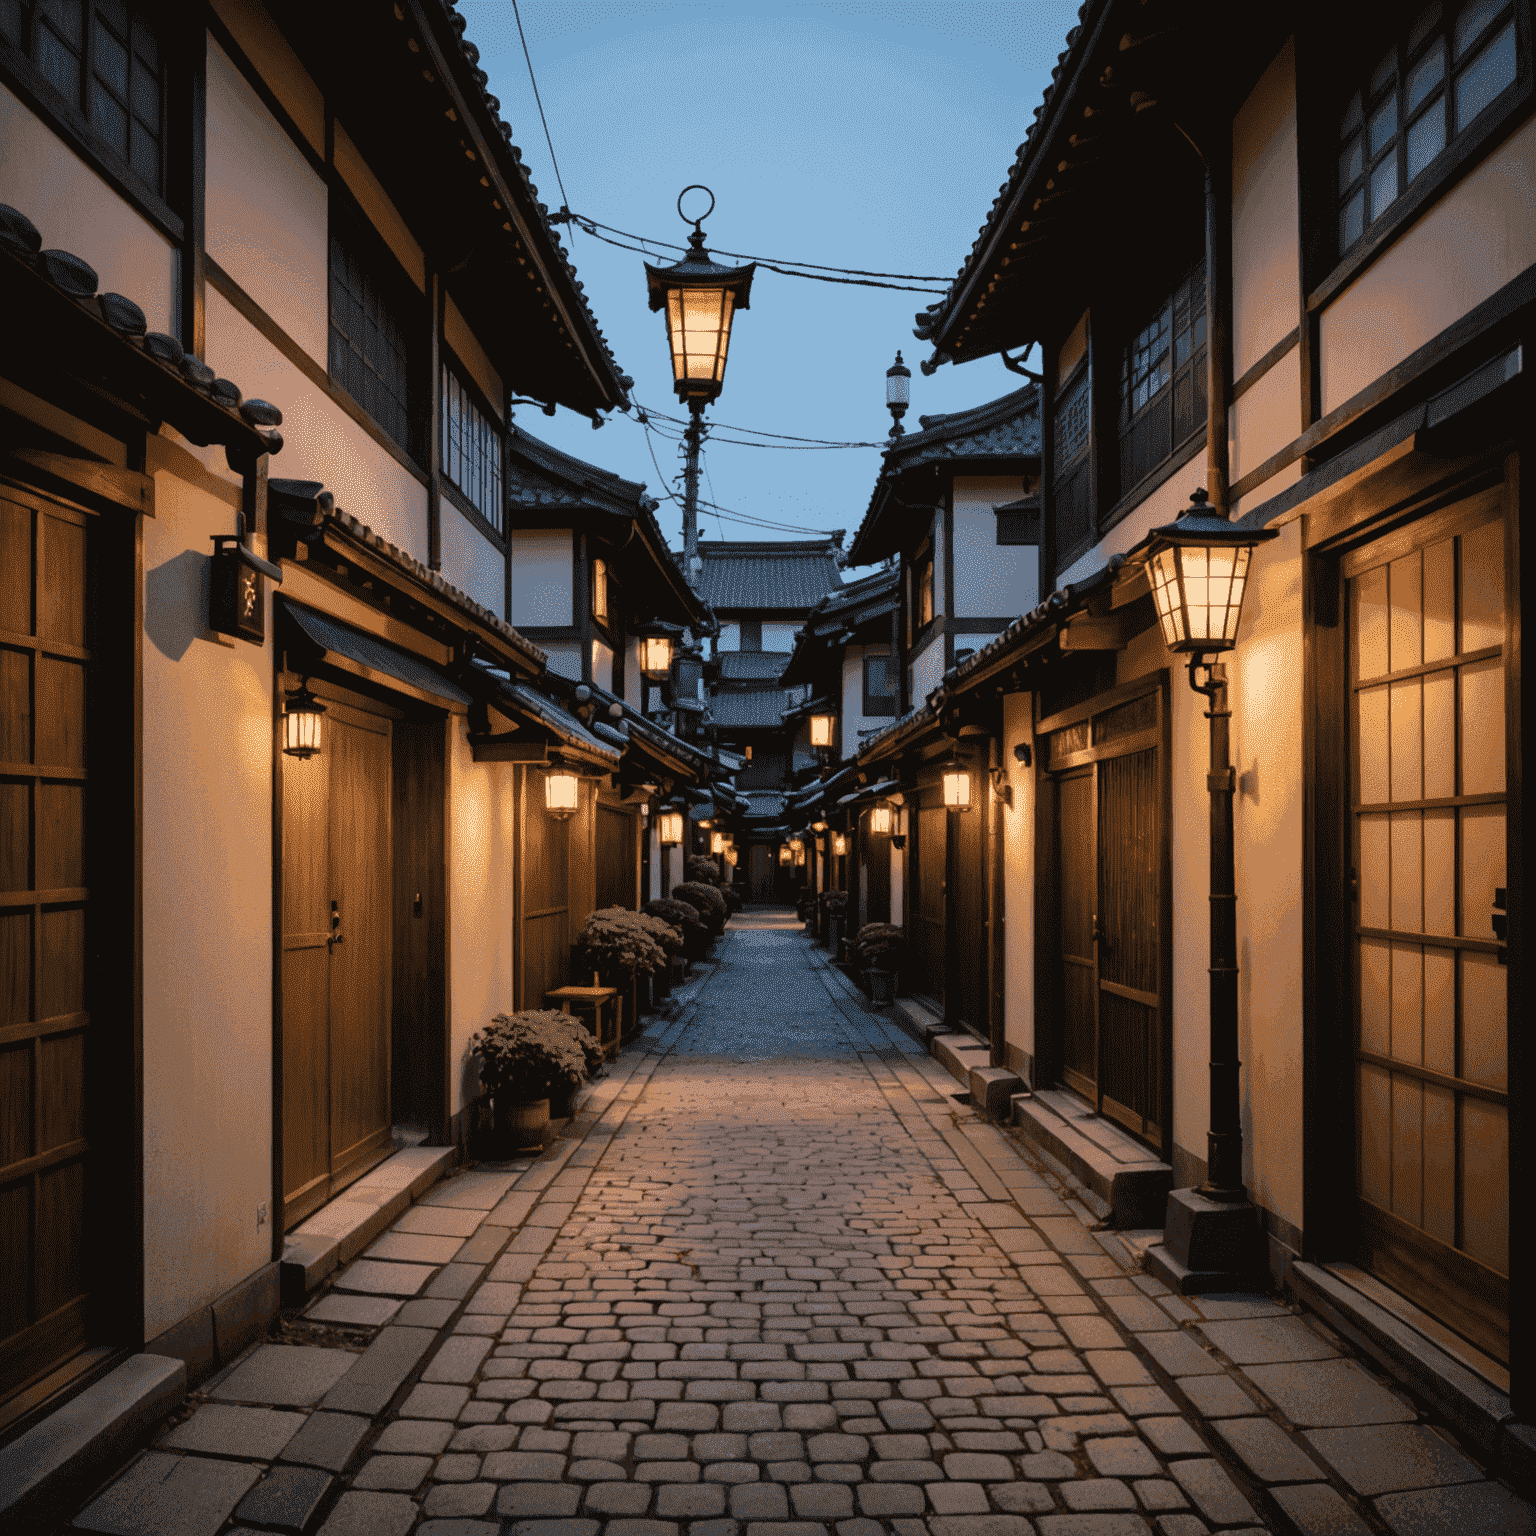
(777, 1278)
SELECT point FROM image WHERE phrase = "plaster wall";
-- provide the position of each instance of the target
(991, 580)
(1281, 480)
(542, 572)
(323, 442)
(481, 815)
(466, 347)
(927, 669)
(1459, 252)
(470, 561)
(262, 42)
(207, 902)
(1266, 229)
(76, 210)
(267, 211)
(853, 717)
(1266, 417)
(602, 665)
(377, 204)
(634, 679)
(1019, 879)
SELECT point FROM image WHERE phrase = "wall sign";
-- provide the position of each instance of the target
(237, 590)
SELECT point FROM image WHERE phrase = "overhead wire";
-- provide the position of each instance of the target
(787, 437)
(538, 101)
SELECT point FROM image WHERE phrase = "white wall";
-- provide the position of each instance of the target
(729, 638)
(927, 669)
(470, 561)
(1019, 879)
(542, 572)
(634, 679)
(322, 441)
(479, 841)
(267, 210)
(76, 211)
(991, 580)
(207, 898)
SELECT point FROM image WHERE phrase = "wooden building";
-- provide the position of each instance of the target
(1288, 258)
(225, 226)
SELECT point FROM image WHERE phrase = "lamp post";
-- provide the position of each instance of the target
(898, 394)
(1198, 569)
(701, 299)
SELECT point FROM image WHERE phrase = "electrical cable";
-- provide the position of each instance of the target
(538, 101)
(725, 426)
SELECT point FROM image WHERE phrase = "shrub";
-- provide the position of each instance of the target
(617, 940)
(681, 915)
(701, 868)
(879, 947)
(707, 899)
(834, 903)
(529, 1054)
(668, 935)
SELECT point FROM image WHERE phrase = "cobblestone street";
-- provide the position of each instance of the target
(778, 1281)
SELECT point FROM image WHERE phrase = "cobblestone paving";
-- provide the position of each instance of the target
(786, 1286)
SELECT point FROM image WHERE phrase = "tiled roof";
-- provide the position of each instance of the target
(752, 666)
(764, 803)
(751, 709)
(748, 576)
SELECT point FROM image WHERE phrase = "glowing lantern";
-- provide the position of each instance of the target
(880, 820)
(670, 824)
(957, 789)
(301, 722)
(821, 730)
(562, 794)
(656, 657)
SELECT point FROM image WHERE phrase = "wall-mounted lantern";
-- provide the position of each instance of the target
(786, 853)
(839, 844)
(818, 826)
(670, 825)
(301, 722)
(1198, 568)
(656, 657)
(880, 820)
(562, 795)
(821, 730)
(957, 788)
(717, 842)
(731, 857)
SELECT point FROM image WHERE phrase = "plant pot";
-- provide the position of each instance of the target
(882, 987)
(562, 1103)
(519, 1125)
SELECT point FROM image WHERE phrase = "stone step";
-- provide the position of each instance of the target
(341, 1229)
(958, 1054)
(62, 1457)
(1116, 1167)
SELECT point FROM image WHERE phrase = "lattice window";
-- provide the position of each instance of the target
(472, 453)
(1162, 380)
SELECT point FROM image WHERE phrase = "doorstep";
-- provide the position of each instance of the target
(1129, 1179)
(69, 1451)
(341, 1229)
(920, 1022)
(958, 1054)
(1470, 1390)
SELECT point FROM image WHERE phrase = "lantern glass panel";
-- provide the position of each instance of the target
(561, 793)
(699, 327)
(839, 844)
(717, 842)
(785, 854)
(1164, 573)
(671, 824)
(880, 820)
(656, 656)
(821, 730)
(301, 732)
(898, 387)
(957, 791)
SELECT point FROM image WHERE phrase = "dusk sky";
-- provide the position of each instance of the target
(861, 133)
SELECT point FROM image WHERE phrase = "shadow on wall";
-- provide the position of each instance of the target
(176, 604)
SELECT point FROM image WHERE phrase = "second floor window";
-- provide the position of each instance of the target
(1428, 86)
(1162, 380)
(879, 685)
(472, 449)
(371, 324)
(103, 59)
(1072, 478)
(922, 592)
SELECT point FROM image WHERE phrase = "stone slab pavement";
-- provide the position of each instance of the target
(779, 1282)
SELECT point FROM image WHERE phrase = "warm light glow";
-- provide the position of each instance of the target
(1198, 589)
(786, 853)
(839, 844)
(670, 824)
(562, 794)
(301, 723)
(798, 844)
(799, 856)
(699, 328)
(821, 730)
(656, 657)
(731, 857)
(600, 591)
(957, 790)
(880, 820)
(717, 842)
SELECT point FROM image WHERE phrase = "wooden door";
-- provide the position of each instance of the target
(760, 869)
(543, 956)
(877, 856)
(336, 959)
(929, 927)
(48, 1163)
(968, 982)
(1427, 811)
(617, 857)
(1076, 863)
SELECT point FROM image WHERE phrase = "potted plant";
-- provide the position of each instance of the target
(685, 919)
(525, 1059)
(670, 938)
(877, 951)
(617, 946)
(834, 907)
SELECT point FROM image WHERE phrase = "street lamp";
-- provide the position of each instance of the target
(1198, 569)
(898, 394)
(701, 299)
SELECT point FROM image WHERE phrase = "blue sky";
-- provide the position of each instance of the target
(859, 133)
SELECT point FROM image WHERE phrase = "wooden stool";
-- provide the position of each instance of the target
(599, 1008)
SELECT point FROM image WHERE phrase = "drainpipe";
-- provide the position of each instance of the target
(1217, 160)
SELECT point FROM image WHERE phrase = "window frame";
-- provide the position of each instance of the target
(879, 705)
(69, 119)
(1327, 270)
(449, 365)
(1077, 389)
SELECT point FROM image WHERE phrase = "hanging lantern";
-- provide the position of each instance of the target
(717, 842)
(656, 657)
(731, 857)
(701, 299)
(957, 788)
(562, 795)
(818, 826)
(670, 824)
(880, 820)
(839, 844)
(1198, 568)
(786, 853)
(301, 722)
(821, 730)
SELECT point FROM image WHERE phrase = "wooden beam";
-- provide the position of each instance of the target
(1106, 634)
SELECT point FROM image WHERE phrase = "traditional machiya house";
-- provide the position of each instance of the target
(1291, 264)
(224, 227)
(956, 507)
(843, 661)
(760, 594)
(593, 582)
